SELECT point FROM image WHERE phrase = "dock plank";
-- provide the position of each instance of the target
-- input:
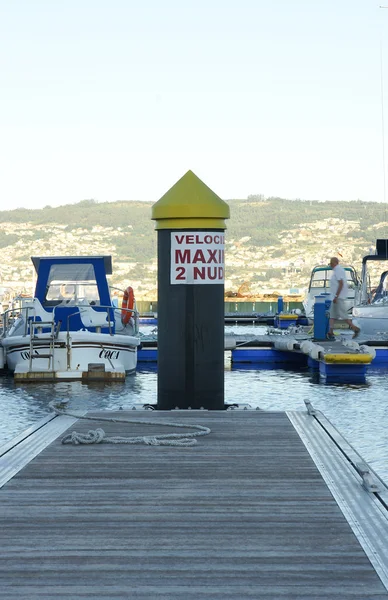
(243, 514)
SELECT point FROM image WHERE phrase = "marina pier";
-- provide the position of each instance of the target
(266, 505)
(336, 361)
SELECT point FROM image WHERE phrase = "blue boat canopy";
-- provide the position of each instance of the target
(74, 259)
(65, 282)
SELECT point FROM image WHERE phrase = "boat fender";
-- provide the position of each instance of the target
(291, 344)
(306, 346)
(368, 350)
(127, 305)
(284, 344)
(351, 345)
(280, 345)
(316, 351)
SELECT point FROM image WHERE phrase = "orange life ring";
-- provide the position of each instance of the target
(127, 305)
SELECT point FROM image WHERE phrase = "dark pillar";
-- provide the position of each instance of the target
(190, 223)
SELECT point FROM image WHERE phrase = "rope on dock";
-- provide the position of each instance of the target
(98, 435)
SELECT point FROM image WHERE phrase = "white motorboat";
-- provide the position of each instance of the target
(370, 311)
(70, 329)
(320, 284)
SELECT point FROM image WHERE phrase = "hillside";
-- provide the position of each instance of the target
(271, 243)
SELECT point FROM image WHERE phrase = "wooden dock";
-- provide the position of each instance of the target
(267, 506)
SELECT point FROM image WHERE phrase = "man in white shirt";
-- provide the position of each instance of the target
(338, 295)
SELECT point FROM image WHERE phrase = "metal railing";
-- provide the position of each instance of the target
(11, 315)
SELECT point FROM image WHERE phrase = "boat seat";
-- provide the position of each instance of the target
(35, 311)
(94, 318)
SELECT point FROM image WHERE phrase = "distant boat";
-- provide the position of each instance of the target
(370, 311)
(320, 284)
(71, 329)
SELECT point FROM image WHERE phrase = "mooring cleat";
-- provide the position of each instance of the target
(310, 409)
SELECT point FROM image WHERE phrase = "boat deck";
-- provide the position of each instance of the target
(245, 513)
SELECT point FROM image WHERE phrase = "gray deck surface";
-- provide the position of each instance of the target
(336, 346)
(243, 514)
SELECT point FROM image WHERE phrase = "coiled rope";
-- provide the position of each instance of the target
(97, 436)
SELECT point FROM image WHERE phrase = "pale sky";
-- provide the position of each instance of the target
(117, 99)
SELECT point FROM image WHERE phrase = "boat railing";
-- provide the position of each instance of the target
(11, 315)
(366, 293)
(68, 336)
(135, 315)
(6, 321)
(109, 310)
(134, 310)
(98, 325)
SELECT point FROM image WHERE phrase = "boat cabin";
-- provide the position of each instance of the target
(320, 284)
(69, 287)
(374, 276)
(320, 278)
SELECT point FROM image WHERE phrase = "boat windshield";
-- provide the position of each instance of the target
(320, 277)
(72, 284)
(381, 292)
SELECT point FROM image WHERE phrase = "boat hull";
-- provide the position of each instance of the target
(372, 319)
(79, 353)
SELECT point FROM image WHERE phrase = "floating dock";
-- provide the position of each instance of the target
(230, 318)
(242, 318)
(336, 361)
(267, 505)
(342, 360)
(95, 372)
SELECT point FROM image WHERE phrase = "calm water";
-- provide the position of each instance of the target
(360, 412)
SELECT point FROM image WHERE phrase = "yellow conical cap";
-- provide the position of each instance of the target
(189, 204)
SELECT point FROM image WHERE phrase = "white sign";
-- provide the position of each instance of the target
(197, 257)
